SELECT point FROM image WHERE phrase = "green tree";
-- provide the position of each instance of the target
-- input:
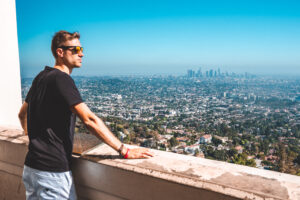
(283, 158)
(173, 142)
(216, 141)
(251, 163)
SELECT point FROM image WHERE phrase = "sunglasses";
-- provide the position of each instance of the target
(74, 49)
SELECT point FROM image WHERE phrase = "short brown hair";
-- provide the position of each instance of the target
(60, 38)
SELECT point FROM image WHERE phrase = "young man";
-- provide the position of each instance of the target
(48, 117)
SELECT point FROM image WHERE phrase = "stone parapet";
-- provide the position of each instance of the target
(100, 173)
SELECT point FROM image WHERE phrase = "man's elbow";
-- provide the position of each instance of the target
(91, 123)
(88, 122)
(23, 111)
(21, 115)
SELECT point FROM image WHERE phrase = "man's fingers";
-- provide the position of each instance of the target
(140, 153)
(146, 156)
(148, 153)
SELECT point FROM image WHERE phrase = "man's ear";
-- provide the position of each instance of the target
(59, 52)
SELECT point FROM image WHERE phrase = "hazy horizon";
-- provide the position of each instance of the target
(77, 73)
(165, 72)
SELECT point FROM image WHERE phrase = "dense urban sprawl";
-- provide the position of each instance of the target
(243, 119)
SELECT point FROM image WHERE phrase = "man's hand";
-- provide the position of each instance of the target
(139, 153)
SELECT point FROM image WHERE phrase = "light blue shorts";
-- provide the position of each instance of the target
(48, 185)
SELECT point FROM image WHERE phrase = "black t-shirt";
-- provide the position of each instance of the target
(50, 122)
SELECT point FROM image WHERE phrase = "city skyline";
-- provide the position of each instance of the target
(168, 37)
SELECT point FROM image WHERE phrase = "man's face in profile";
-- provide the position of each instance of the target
(72, 53)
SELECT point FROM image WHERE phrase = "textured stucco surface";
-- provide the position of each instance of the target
(10, 79)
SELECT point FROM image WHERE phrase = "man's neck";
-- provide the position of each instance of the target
(63, 68)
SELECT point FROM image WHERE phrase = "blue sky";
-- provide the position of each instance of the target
(164, 37)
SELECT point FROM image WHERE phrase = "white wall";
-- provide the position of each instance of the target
(10, 83)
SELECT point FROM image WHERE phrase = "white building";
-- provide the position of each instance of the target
(205, 139)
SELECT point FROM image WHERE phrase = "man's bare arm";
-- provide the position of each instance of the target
(95, 125)
(23, 117)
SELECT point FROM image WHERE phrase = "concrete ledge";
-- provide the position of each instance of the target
(101, 174)
(117, 183)
(215, 176)
(13, 149)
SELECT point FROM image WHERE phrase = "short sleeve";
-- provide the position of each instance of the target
(29, 94)
(67, 89)
(31, 90)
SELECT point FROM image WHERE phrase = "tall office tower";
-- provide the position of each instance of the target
(193, 73)
(219, 72)
(215, 75)
(189, 73)
(199, 73)
(211, 73)
(206, 73)
(246, 75)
